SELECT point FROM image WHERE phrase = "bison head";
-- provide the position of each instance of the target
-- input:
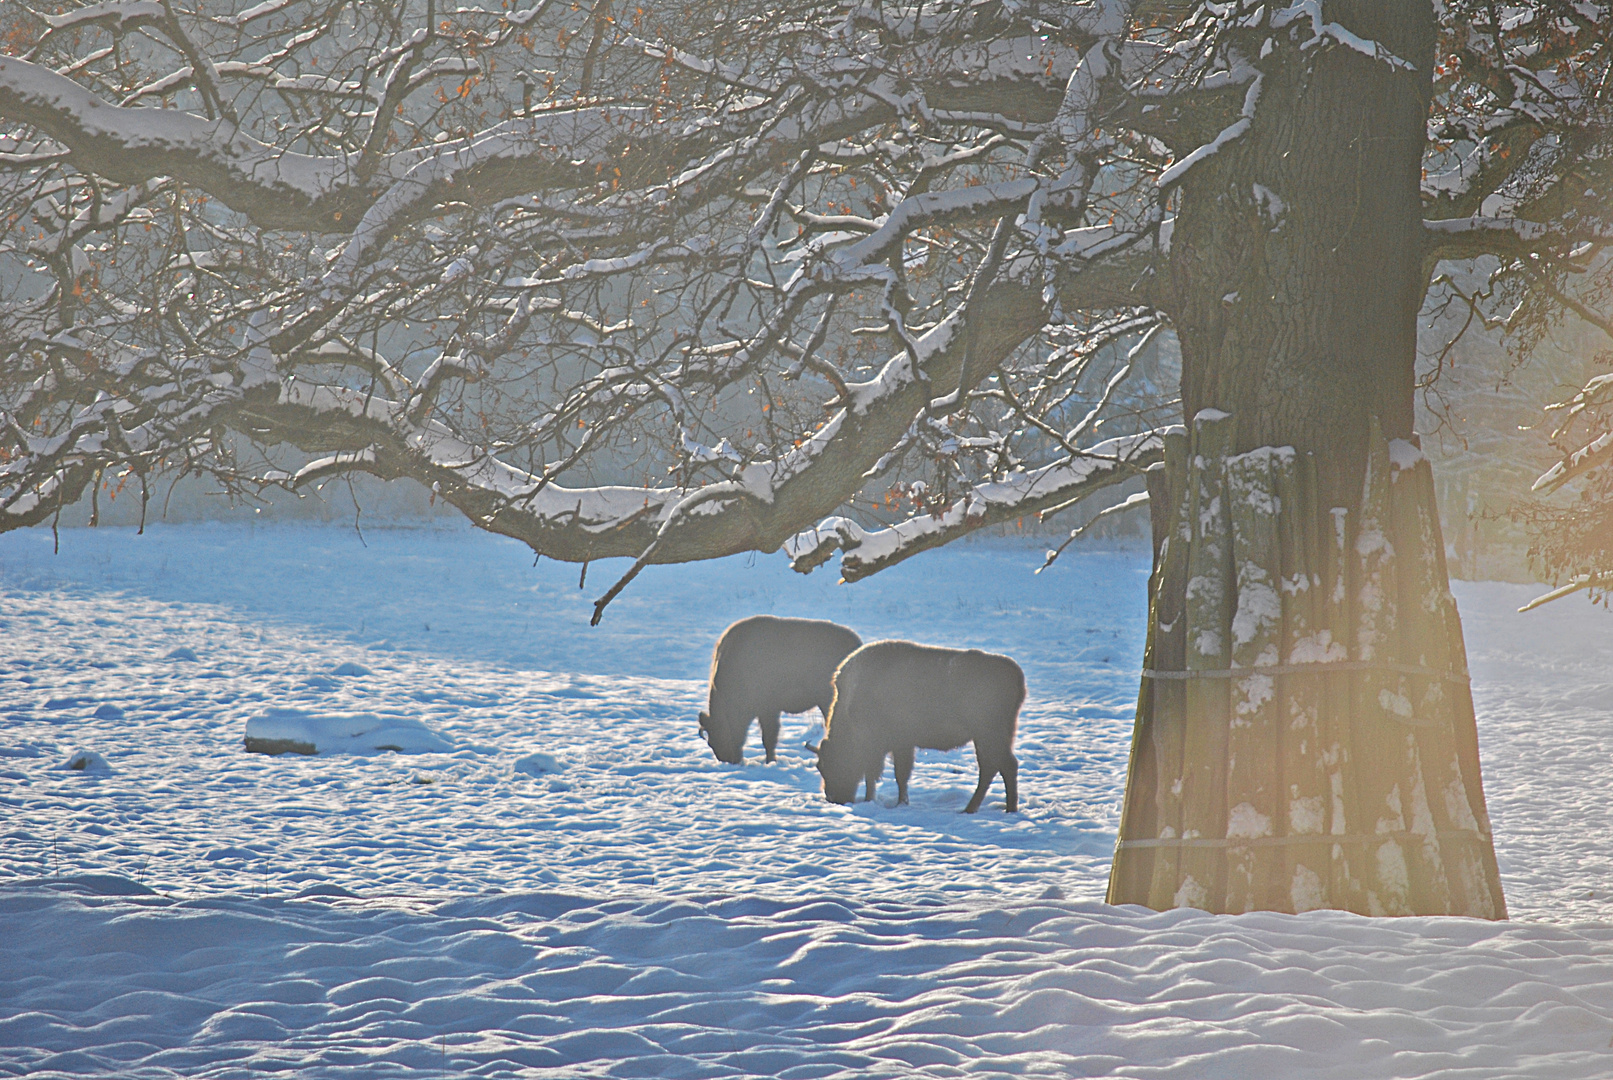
(726, 744)
(841, 770)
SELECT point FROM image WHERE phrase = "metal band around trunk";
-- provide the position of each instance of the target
(1311, 669)
(1302, 838)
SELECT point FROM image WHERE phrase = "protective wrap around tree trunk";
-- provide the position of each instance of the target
(1305, 733)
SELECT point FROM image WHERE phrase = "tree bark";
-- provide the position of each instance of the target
(1297, 309)
(1297, 533)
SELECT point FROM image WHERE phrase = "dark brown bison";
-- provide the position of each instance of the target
(764, 666)
(893, 697)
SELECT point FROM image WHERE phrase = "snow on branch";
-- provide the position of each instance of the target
(1231, 133)
(1580, 583)
(1482, 226)
(119, 14)
(258, 11)
(136, 144)
(1459, 178)
(728, 73)
(1595, 394)
(322, 468)
(1468, 237)
(1131, 502)
(280, 188)
(583, 134)
(431, 381)
(1100, 18)
(570, 281)
(930, 207)
(1596, 453)
(1322, 30)
(907, 22)
(763, 503)
(868, 551)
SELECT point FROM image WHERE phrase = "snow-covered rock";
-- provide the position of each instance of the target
(281, 731)
(100, 885)
(538, 765)
(87, 761)
(230, 854)
(323, 890)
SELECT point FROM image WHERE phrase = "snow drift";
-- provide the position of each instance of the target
(294, 731)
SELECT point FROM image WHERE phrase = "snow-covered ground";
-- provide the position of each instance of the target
(575, 886)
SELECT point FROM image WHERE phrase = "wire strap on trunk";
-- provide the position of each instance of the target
(1444, 835)
(1327, 668)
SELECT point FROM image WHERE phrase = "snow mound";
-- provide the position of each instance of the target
(538, 764)
(184, 652)
(86, 761)
(109, 712)
(282, 731)
(100, 885)
(232, 854)
(323, 891)
(350, 668)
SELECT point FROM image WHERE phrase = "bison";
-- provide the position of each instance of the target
(764, 666)
(895, 696)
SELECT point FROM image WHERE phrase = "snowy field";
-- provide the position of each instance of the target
(572, 885)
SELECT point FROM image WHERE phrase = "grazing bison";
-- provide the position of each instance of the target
(894, 696)
(764, 666)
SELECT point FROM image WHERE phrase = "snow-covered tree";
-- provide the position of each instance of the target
(1573, 537)
(520, 254)
(1539, 74)
(672, 282)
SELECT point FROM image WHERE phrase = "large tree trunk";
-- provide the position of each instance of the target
(1295, 528)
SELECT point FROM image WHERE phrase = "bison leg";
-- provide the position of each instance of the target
(986, 777)
(871, 778)
(1010, 771)
(988, 773)
(904, 769)
(770, 727)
